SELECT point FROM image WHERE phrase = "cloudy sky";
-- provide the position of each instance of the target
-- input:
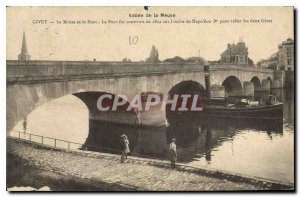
(110, 42)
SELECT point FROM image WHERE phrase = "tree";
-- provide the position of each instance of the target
(175, 59)
(260, 63)
(250, 62)
(154, 56)
(196, 59)
(125, 60)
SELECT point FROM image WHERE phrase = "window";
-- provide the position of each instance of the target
(289, 54)
(288, 49)
(289, 62)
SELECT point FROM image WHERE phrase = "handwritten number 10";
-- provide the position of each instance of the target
(133, 40)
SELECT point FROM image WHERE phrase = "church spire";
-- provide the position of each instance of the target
(24, 46)
(24, 55)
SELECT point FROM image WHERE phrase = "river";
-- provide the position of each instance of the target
(263, 149)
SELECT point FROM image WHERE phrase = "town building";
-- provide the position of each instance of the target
(235, 54)
(24, 55)
(286, 54)
(283, 59)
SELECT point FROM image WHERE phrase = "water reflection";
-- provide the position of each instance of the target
(212, 132)
(208, 145)
(235, 144)
(106, 136)
(288, 111)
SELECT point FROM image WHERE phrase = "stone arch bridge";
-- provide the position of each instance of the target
(31, 84)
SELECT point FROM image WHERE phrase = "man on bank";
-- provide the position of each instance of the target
(125, 145)
(173, 153)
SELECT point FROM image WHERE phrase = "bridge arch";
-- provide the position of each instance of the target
(24, 98)
(186, 87)
(180, 121)
(233, 86)
(55, 119)
(257, 84)
(98, 128)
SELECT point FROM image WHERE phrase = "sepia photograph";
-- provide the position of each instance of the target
(114, 99)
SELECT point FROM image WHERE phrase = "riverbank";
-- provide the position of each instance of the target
(30, 164)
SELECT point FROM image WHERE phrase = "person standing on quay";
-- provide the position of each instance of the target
(127, 150)
(173, 152)
(125, 147)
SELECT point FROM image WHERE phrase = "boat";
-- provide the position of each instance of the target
(240, 107)
(218, 107)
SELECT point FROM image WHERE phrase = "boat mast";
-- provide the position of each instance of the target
(207, 81)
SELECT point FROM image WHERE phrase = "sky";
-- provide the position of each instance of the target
(110, 42)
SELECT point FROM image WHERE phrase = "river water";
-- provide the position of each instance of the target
(263, 149)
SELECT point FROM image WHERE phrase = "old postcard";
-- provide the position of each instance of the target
(150, 98)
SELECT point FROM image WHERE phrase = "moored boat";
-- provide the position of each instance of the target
(272, 111)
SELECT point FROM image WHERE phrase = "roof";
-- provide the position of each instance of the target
(236, 49)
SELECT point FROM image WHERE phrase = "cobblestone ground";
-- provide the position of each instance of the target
(108, 169)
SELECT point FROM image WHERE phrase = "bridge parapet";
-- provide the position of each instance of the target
(36, 71)
(46, 71)
(240, 68)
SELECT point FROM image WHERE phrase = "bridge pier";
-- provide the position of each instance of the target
(265, 85)
(248, 89)
(152, 124)
(277, 83)
(279, 78)
(217, 91)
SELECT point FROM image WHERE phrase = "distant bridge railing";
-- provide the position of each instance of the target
(48, 141)
(224, 67)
